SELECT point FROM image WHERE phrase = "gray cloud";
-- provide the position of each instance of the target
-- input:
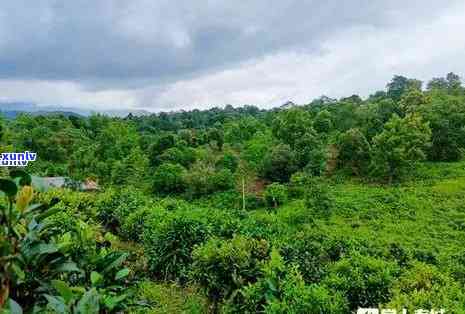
(171, 54)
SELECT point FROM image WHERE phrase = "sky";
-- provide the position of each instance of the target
(169, 55)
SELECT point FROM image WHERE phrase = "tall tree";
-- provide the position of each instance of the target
(446, 117)
(290, 125)
(402, 142)
(353, 151)
(399, 85)
(454, 84)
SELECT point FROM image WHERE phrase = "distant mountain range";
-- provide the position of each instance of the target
(12, 109)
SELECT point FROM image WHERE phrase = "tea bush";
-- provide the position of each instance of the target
(169, 243)
(221, 267)
(365, 281)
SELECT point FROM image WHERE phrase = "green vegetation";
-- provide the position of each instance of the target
(319, 208)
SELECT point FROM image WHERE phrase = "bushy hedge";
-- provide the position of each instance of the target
(223, 266)
(169, 244)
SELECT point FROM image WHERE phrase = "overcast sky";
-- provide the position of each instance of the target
(168, 55)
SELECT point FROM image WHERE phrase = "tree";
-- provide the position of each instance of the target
(169, 179)
(402, 142)
(322, 122)
(354, 99)
(256, 149)
(279, 163)
(227, 161)
(241, 130)
(183, 155)
(203, 179)
(437, 83)
(132, 169)
(446, 117)
(310, 152)
(454, 84)
(275, 194)
(400, 84)
(161, 144)
(318, 196)
(216, 136)
(372, 116)
(364, 280)
(353, 151)
(412, 99)
(290, 125)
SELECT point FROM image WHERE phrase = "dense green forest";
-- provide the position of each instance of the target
(318, 208)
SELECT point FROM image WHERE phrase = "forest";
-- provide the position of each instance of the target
(323, 207)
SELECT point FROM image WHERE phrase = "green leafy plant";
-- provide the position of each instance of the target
(223, 266)
(275, 195)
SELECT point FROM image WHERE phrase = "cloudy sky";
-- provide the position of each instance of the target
(168, 55)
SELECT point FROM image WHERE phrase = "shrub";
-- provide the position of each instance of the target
(312, 251)
(424, 286)
(365, 281)
(115, 205)
(222, 180)
(228, 161)
(222, 266)
(281, 289)
(296, 297)
(279, 163)
(183, 156)
(134, 224)
(204, 180)
(354, 151)
(169, 298)
(275, 194)
(169, 179)
(169, 243)
(318, 196)
(298, 183)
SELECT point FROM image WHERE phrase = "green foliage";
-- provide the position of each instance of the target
(312, 250)
(135, 223)
(290, 125)
(310, 153)
(228, 161)
(183, 156)
(402, 142)
(169, 243)
(446, 118)
(318, 196)
(424, 286)
(365, 281)
(169, 298)
(353, 151)
(169, 179)
(161, 144)
(223, 266)
(281, 289)
(322, 122)
(399, 85)
(256, 148)
(204, 179)
(38, 258)
(412, 100)
(241, 130)
(279, 163)
(342, 242)
(115, 205)
(215, 135)
(275, 195)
